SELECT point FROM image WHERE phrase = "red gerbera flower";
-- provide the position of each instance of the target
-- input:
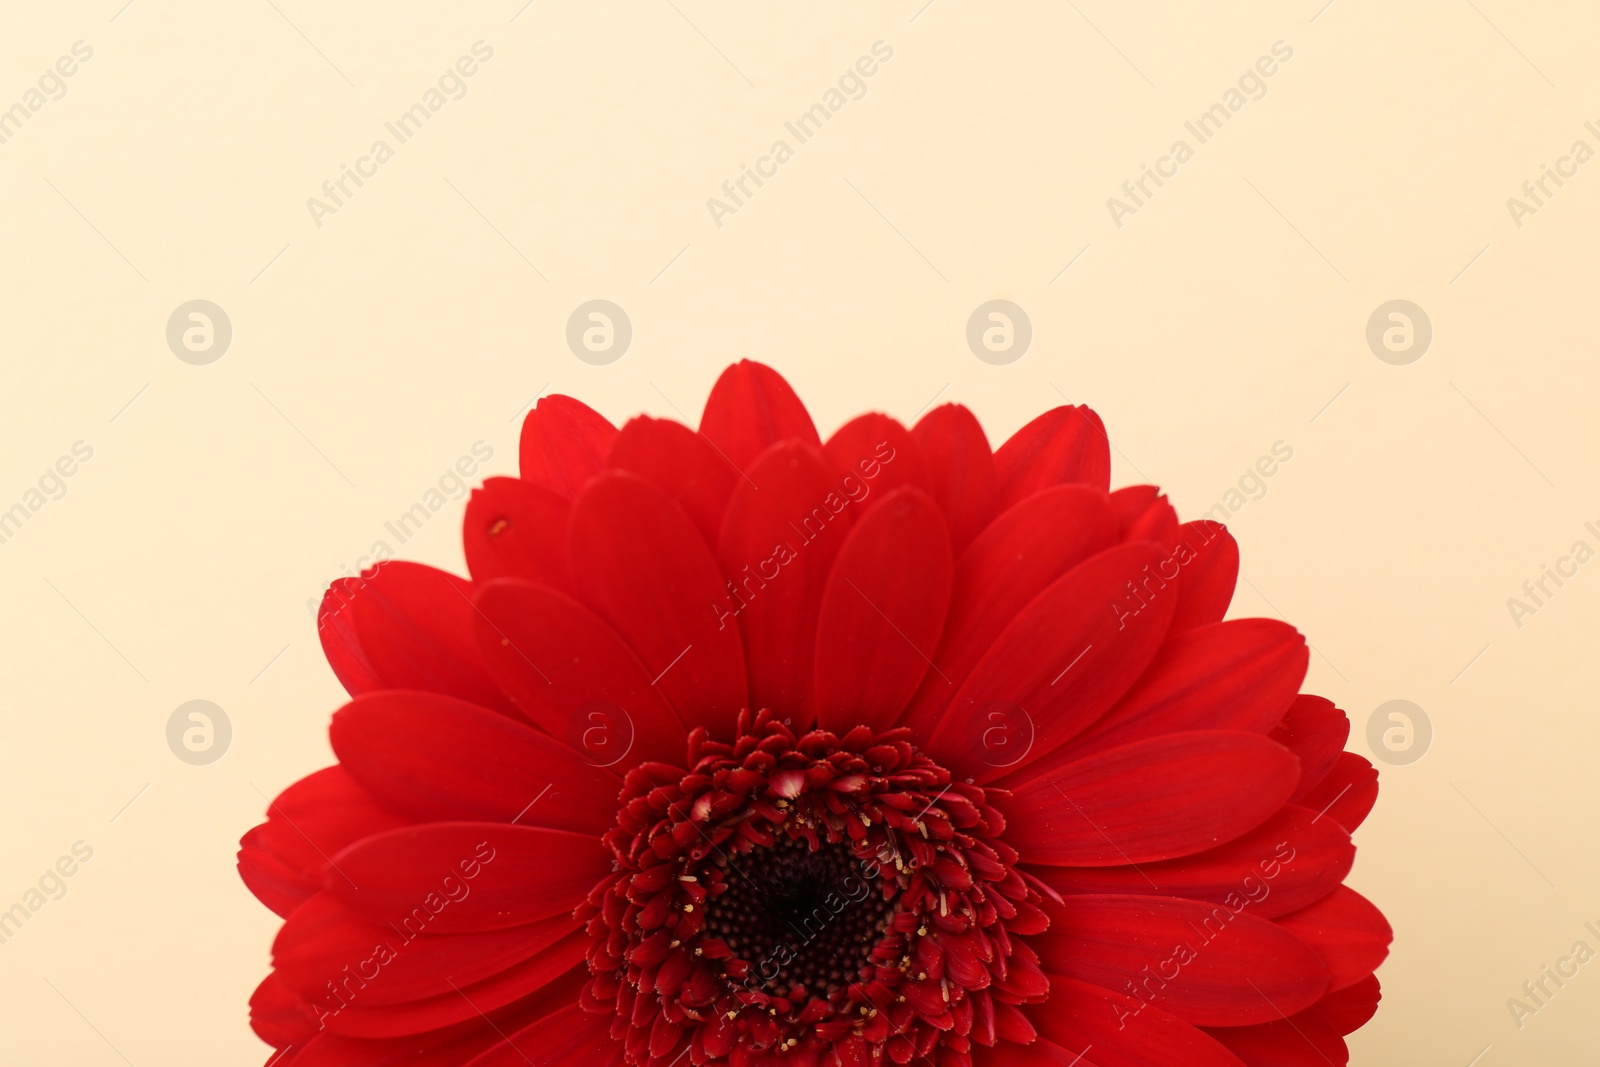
(744, 748)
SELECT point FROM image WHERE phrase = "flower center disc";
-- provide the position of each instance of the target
(800, 918)
(813, 895)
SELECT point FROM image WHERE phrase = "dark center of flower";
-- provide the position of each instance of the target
(800, 917)
(842, 899)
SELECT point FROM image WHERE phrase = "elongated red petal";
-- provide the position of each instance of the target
(881, 612)
(464, 1003)
(1347, 793)
(1315, 731)
(1348, 1010)
(1123, 1030)
(779, 539)
(1042, 1053)
(519, 874)
(960, 468)
(568, 1038)
(1290, 861)
(639, 562)
(517, 529)
(341, 645)
(1236, 675)
(414, 628)
(1348, 932)
(1075, 649)
(1065, 444)
(1188, 958)
(1304, 1040)
(1012, 561)
(437, 758)
(564, 444)
(1209, 559)
(325, 941)
(574, 677)
(752, 408)
(876, 451)
(449, 1047)
(1156, 799)
(681, 463)
(279, 1016)
(284, 860)
(1144, 514)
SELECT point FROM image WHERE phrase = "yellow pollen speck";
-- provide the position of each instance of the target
(688, 907)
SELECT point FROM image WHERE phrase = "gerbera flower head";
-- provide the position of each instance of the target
(741, 747)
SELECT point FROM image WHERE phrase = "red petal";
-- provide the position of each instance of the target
(284, 860)
(1315, 731)
(1236, 675)
(336, 630)
(1041, 1053)
(522, 874)
(414, 627)
(641, 565)
(1144, 514)
(516, 529)
(445, 1048)
(777, 545)
(1061, 663)
(960, 470)
(466, 1003)
(564, 444)
(1347, 1010)
(877, 451)
(881, 612)
(1348, 792)
(1123, 1030)
(574, 677)
(1288, 862)
(1347, 931)
(1167, 796)
(279, 1016)
(1013, 560)
(1210, 560)
(752, 408)
(1194, 960)
(1065, 444)
(436, 758)
(570, 1037)
(324, 939)
(681, 463)
(1302, 1041)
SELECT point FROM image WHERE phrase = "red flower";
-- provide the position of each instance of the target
(743, 748)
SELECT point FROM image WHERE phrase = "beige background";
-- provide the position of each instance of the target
(368, 354)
